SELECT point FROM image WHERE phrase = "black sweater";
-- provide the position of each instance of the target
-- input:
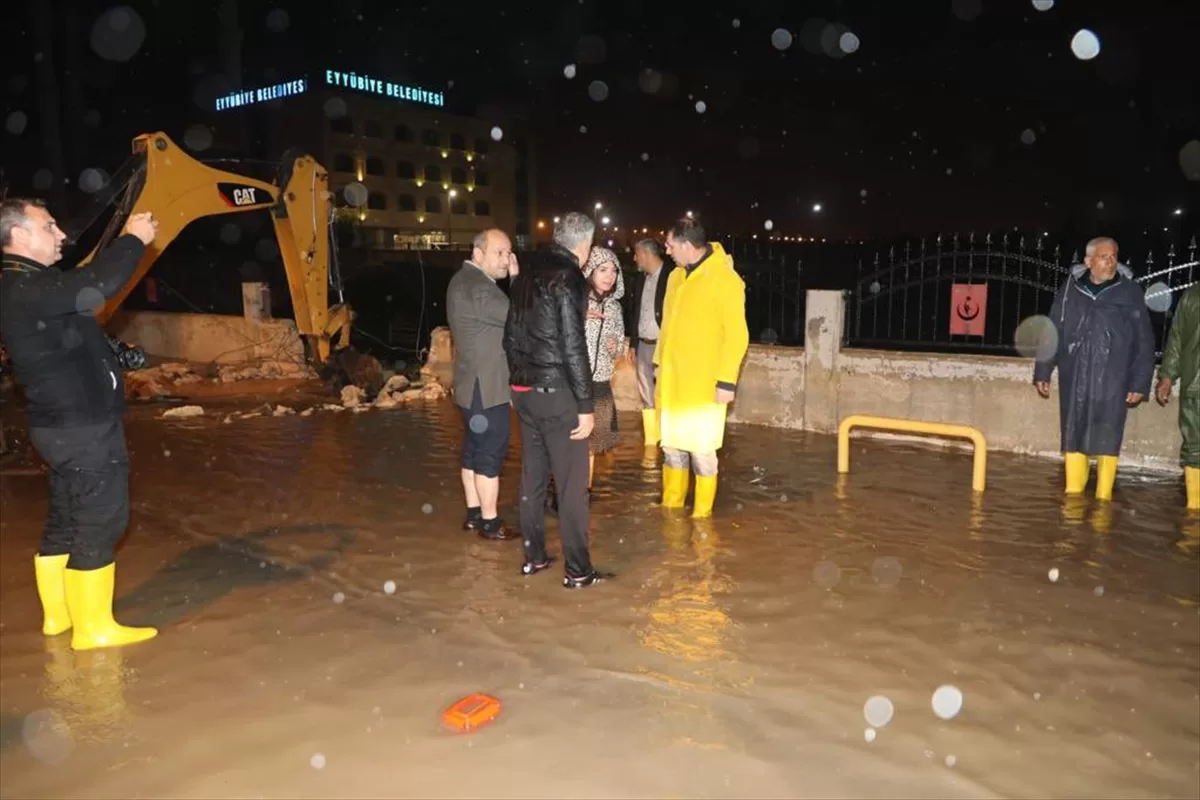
(60, 354)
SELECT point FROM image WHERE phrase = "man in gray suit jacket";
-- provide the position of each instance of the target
(477, 308)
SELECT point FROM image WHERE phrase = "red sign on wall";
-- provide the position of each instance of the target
(968, 309)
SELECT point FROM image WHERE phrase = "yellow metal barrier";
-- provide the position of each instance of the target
(978, 475)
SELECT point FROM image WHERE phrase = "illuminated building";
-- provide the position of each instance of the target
(432, 178)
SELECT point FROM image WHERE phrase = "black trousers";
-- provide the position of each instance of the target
(89, 491)
(547, 420)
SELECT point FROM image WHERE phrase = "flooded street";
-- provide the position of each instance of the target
(319, 607)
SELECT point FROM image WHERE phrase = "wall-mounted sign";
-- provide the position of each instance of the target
(396, 91)
(968, 309)
(261, 95)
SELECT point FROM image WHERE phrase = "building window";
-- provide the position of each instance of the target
(433, 173)
(433, 205)
(374, 165)
(376, 201)
(404, 169)
(483, 208)
(407, 203)
(343, 162)
(373, 128)
(481, 145)
(457, 142)
(458, 175)
(404, 134)
(342, 125)
(481, 177)
(431, 138)
(458, 205)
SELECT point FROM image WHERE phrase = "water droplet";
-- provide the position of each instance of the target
(701, 107)
(826, 574)
(198, 138)
(1158, 297)
(1043, 5)
(1036, 337)
(1028, 137)
(335, 108)
(583, 128)
(42, 178)
(886, 571)
(1053, 574)
(878, 711)
(118, 34)
(848, 42)
(869, 734)
(389, 587)
(497, 133)
(781, 39)
(645, 156)
(339, 598)
(569, 71)
(317, 761)
(89, 300)
(1098, 591)
(15, 122)
(598, 91)
(1085, 45)
(427, 509)
(737, 23)
(951, 760)
(277, 20)
(355, 194)
(769, 224)
(47, 736)
(947, 702)
(92, 180)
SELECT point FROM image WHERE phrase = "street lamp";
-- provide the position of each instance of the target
(556, 220)
(689, 215)
(604, 221)
(599, 205)
(816, 208)
(450, 195)
(1178, 212)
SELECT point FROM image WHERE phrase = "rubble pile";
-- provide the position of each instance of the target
(146, 384)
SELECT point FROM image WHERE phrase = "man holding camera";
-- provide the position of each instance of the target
(71, 375)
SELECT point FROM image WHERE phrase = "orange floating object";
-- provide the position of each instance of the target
(472, 712)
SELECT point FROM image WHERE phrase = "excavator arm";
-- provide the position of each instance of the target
(178, 189)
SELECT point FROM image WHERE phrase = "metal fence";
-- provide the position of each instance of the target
(905, 299)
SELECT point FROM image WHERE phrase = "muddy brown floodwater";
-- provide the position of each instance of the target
(319, 606)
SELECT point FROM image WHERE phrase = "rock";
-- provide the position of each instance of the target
(333, 407)
(352, 396)
(183, 412)
(282, 411)
(396, 383)
(308, 412)
(360, 370)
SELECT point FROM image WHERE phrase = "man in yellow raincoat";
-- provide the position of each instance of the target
(699, 355)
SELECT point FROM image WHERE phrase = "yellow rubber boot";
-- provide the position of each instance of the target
(1077, 472)
(1106, 476)
(675, 486)
(650, 426)
(52, 589)
(706, 493)
(1191, 479)
(90, 598)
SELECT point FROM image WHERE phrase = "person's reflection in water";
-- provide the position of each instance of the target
(87, 690)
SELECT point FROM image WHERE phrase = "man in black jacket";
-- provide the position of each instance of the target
(644, 323)
(71, 377)
(552, 393)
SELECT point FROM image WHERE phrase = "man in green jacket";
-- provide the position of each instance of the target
(1181, 361)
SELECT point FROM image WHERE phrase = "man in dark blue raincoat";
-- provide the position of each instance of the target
(1105, 361)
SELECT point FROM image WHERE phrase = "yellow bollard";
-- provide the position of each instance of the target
(978, 474)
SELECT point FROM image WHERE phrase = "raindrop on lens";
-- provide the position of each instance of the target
(869, 734)
(335, 108)
(1189, 160)
(478, 423)
(339, 598)
(1028, 136)
(42, 179)
(230, 233)
(427, 509)
(118, 34)
(1043, 5)
(1053, 574)
(826, 574)
(497, 134)
(1158, 297)
(947, 702)
(598, 91)
(645, 156)
(769, 224)
(701, 107)
(47, 736)
(92, 180)
(389, 587)
(15, 122)
(198, 138)
(355, 194)
(317, 761)
(1036, 337)
(781, 39)
(848, 42)
(1085, 45)
(875, 287)
(878, 711)
(89, 300)
(569, 71)
(277, 20)
(886, 571)
(583, 128)
(737, 23)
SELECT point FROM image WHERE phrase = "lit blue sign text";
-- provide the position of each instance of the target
(397, 91)
(262, 95)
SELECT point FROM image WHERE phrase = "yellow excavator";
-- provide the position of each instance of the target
(162, 178)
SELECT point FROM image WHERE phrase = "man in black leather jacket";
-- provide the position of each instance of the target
(71, 376)
(552, 393)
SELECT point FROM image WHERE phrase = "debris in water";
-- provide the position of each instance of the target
(183, 412)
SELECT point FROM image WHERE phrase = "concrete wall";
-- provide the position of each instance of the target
(209, 338)
(816, 386)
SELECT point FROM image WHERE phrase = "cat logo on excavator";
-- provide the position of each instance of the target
(179, 190)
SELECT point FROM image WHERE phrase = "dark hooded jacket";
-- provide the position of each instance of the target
(544, 334)
(1105, 351)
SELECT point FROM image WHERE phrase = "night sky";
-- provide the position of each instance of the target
(971, 114)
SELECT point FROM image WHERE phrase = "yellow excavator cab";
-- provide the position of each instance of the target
(178, 189)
